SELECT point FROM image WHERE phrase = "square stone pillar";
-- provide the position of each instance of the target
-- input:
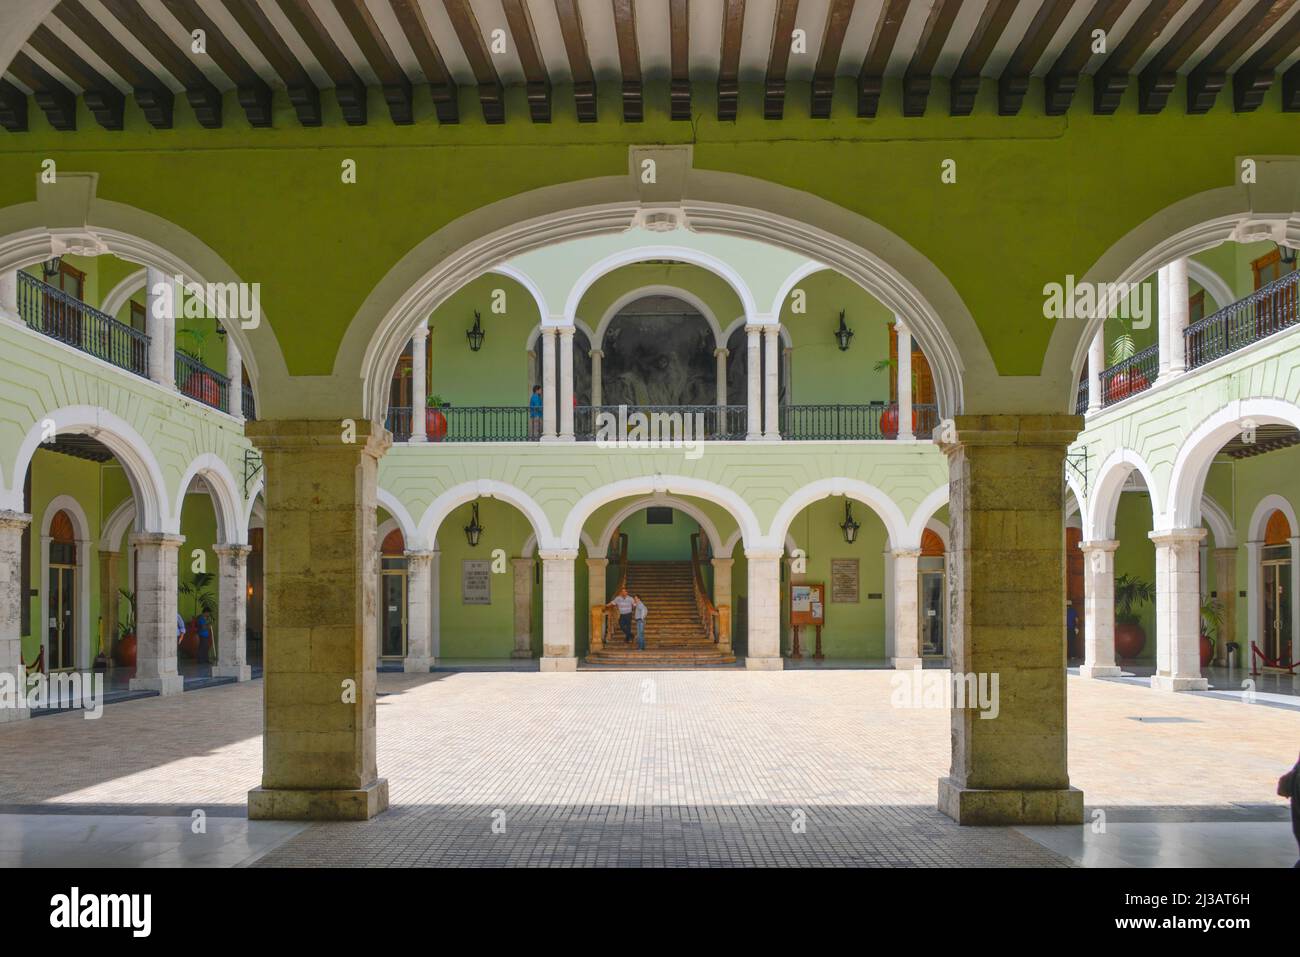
(596, 571)
(1163, 319)
(907, 610)
(1225, 587)
(722, 598)
(764, 578)
(720, 381)
(321, 583)
(558, 621)
(1179, 314)
(232, 612)
(13, 592)
(1098, 609)
(419, 384)
(753, 383)
(771, 381)
(523, 569)
(1178, 610)
(1007, 595)
(157, 555)
(419, 612)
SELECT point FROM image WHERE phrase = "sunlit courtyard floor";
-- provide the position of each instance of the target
(722, 768)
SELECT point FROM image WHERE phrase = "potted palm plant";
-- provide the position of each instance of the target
(889, 418)
(1211, 622)
(198, 384)
(124, 648)
(1128, 381)
(1130, 592)
(202, 601)
(435, 422)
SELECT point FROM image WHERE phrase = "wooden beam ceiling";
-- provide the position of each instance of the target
(1210, 75)
(394, 82)
(441, 83)
(1253, 79)
(679, 31)
(828, 57)
(57, 102)
(733, 25)
(491, 94)
(1013, 84)
(153, 96)
(349, 89)
(253, 93)
(1161, 72)
(303, 93)
(575, 46)
(778, 59)
(1112, 78)
(917, 79)
(1063, 78)
(13, 108)
(629, 60)
(964, 86)
(105, 101)
(871, 76)
(538, 82)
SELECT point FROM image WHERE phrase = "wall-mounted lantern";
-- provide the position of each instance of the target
(475, 335)
(849, 527)
(51, 267)
(843, 334)
(473, 531)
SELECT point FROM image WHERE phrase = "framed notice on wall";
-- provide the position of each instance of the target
(844, 580)
(475, 582)
(806, 606)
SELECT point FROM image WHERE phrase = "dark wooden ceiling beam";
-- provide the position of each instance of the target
(57, 102)
(733, 26)
(153, 96)
(13, 108)
(349, 89)
(917, 78)
(828, 57)
(105, 101)
(442, 85)
(203, 96)
(1112, 79)
(778, 58)
(1291, 90)
(1013, 84)
(1253, 79)
(370, 40)
(490, 92)
(964, 86)
(575, 45)
(1210, 75)
(679, 89)
(538, 82)
(303, 93)
(629, 60)
(253, 93)
(1063, 77)
(1160, 75)
(871, 76)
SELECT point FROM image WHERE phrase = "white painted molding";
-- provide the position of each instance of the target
(706, 524)
(117, 296)
(1212, 283)
(674, 292)
(1107, 488)
(457, 495)
(1266, 507)
(231, 529)
(897, 528)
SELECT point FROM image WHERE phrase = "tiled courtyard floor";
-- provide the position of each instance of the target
(726, 767)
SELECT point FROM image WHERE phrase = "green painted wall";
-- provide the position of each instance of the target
(1136, 556)
(821, 373)
(659, 543)
(498, 373)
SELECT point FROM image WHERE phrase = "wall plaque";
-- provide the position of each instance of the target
(475, 582)
(844, 580)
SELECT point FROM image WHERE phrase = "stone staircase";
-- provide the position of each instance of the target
(674, 634)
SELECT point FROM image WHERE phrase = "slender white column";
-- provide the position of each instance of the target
(771, 381)
(1098, 609)
(597, 357)
(1096, 362)
(787, 371)
(419, 389)
(419, 617)
(161, 295)
(9, 295)
(722, 594)
(566, 383)
(1163, 318)
(558, 609)
(1254, 601)
(1178, 315)
(523, 608)
(155, 613)
(764, 606)
(232, 612)
(1178, 610)
(548, 384)
(720, 364)
(235, 372)
(13, 592)
(753, 382)
(904, 380)
(907, 620)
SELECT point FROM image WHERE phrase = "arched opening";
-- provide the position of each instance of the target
(658, 351)
(1277, 596)
(932, 580)
(61, 639)
(393, 586)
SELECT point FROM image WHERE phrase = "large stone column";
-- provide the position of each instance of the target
(1096, 363)
(523, 570)
(1179, 313)
(904, 380)
(1225, 587)
(1007, 594)
(157, 555)
(321, 583)
(13, 592)
(1178, 610)
(161, 295)
(722, 596)
(597, 393)
(548, 384)
(566, 383)
(558, 622)
(235, 372)
(419, 386)
(232, 612)
(764, 580)
(771, 381)
(753, 383)
(907, 613)
(419, 612)
(1098, 609)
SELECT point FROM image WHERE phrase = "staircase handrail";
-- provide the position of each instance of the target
(703, 604)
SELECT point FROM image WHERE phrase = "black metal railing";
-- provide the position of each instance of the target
(197, 381)
(481, 423)
(247, 404)
(839, 422)
(925, 416)
(399, 422)
(1130, 377)
(1081, 398)
(60, 316)
(662, 422)
(1269, 309)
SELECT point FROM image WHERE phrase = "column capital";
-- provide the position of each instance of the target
(721, 352)
(236, 550)
(1016, 430)
(1226, 552)
(899, 325)
(1099, 545)
(906, 552)
(11, 519)
(159, 539)
(597, 353)
(566, 330)
(764, 553)
(723, 562)
(418, 556)
(292, 435)
(754, 328)
(557, 554)
(1177, 536)
(521, 562)
(1294, 542)
(597, 562)
(420, 332)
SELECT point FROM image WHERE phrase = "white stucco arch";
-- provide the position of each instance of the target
(231, 529)
(925, 512)
(530, 344)
(116, 525)
(901, 535)
(1103, 504)
(254, 503)
(117, 297)
(427, 530)
(694, 511)
(674, 292)
(799, 275)
(82, 535)
(530, 546)
(1220, 523)
(1211, 282)
(386, 527)
(1076, 502)
(525, 280)
(944, 533)
(1265, 508)
(1192, 464)
(740, 322)
(398, 512)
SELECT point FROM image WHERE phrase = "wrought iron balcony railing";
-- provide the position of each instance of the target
(399, 422)
(1130, 377)
(663, 422)
(1269, 309)
(839, 422)
(197, 381)
(1081, 398)
(248, 405)
(60, 316)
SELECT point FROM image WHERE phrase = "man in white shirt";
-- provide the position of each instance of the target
(640, 611)
(624, 603)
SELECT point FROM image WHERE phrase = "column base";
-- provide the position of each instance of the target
(324, 804)
(905, 664)
(1012, 806)
(764, 664)
(1099, 671)
(171, 684)
(418, 665)
(1179, 683)
(521, 653)
(558, 664)
(14, 714)
(238, 672)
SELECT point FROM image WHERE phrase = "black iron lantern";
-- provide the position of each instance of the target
(51, 267)
(473, 531)
(1287, 254)
(475, 335)
(849, 527)
(843, 334)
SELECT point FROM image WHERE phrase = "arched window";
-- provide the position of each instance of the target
(62, 594)
(1275, 586)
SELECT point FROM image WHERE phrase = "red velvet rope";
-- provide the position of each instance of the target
(1268, 663)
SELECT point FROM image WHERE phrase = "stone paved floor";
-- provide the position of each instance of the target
(664, 767)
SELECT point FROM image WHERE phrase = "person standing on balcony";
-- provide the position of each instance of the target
(535, 413)
(640, 611)
(625, 605)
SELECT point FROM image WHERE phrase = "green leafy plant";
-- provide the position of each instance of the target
(435, 401)
(201, 599)
(1130, 592)
(198, 337)
(1211, 619)
(892, 364)
(127, 627)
